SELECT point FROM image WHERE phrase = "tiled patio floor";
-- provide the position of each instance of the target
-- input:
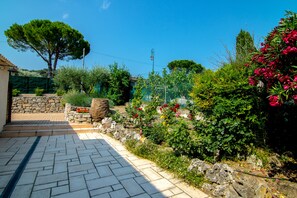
(85, 165)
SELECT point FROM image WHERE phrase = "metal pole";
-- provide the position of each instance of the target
(153, 58)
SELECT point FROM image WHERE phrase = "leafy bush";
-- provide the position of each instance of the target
(74, 78)
(180, 139)
(166, 159)
(77, 99)
(60, 92)
(15, 92)
(275, 63)
(38, 91)
(119, 84)
(233, 118)
(155, 133)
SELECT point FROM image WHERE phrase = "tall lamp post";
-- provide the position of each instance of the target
(153, 58)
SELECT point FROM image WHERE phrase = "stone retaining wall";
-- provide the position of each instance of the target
(37, 104)
(73, 116)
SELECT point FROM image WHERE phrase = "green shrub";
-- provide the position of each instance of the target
(166, 158)
(233, 117)
(60, 92)
(38, 91)
(15, 92)
(76, 98)
(179, 138)
(156, 133)
(119, 84)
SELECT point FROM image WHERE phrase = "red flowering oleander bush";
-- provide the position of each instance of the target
(276, 63)
(169, 112)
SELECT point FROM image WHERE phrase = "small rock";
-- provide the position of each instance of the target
(199, 166)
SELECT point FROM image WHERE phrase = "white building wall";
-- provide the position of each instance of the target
(4, 75)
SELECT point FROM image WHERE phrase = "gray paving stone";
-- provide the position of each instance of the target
(102, 182)
(27, 178)
(132, 187)
(45, 172)
(98, 160)
(117, 187)
(39, 164)
(65, 157)
(162, 184)
(81, 167)
(149, 188)
(76, 194)
(85, 159)
(104, 171)
(91, 176)
(119, 194)
(115, 166)
(77, 183)
(22, 191)
(101, 191)
(41, 194)
(140, 180)
(145, 195)
(123, 171)
(60, 190)
(105, 195)
(62, 183)
(44, 186)
(128, 176)
(4, 180)
(75, 174)
(60, 167)
(159, 195)
(51, 178)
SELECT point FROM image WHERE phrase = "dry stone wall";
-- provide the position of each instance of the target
(37, 104)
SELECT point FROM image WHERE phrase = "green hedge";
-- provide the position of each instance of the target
(29, 84)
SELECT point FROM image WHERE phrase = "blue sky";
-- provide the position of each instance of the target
(125, 31)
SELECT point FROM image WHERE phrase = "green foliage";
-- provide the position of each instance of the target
(74, 78)
(15, 92)
(38, 91)
(156, 133)
(76, 98)
(244, 45)
(189, 65)
(138, 95)
(119, 84)
(60, 92)
(233, 120)
(166, 159)
(180, 139)
(52, 41)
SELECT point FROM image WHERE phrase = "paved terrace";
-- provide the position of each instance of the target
(82, 165)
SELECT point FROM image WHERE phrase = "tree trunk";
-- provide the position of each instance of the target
(50, 68)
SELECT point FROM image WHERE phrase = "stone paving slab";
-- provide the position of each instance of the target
(85, 165)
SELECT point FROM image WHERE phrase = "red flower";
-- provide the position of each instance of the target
(274, 101)
(252, 81)
(258, 71)
(176, 106)
(165, 105)
(135, 115)
(289, 50)
(286, 87)
(139, 109)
